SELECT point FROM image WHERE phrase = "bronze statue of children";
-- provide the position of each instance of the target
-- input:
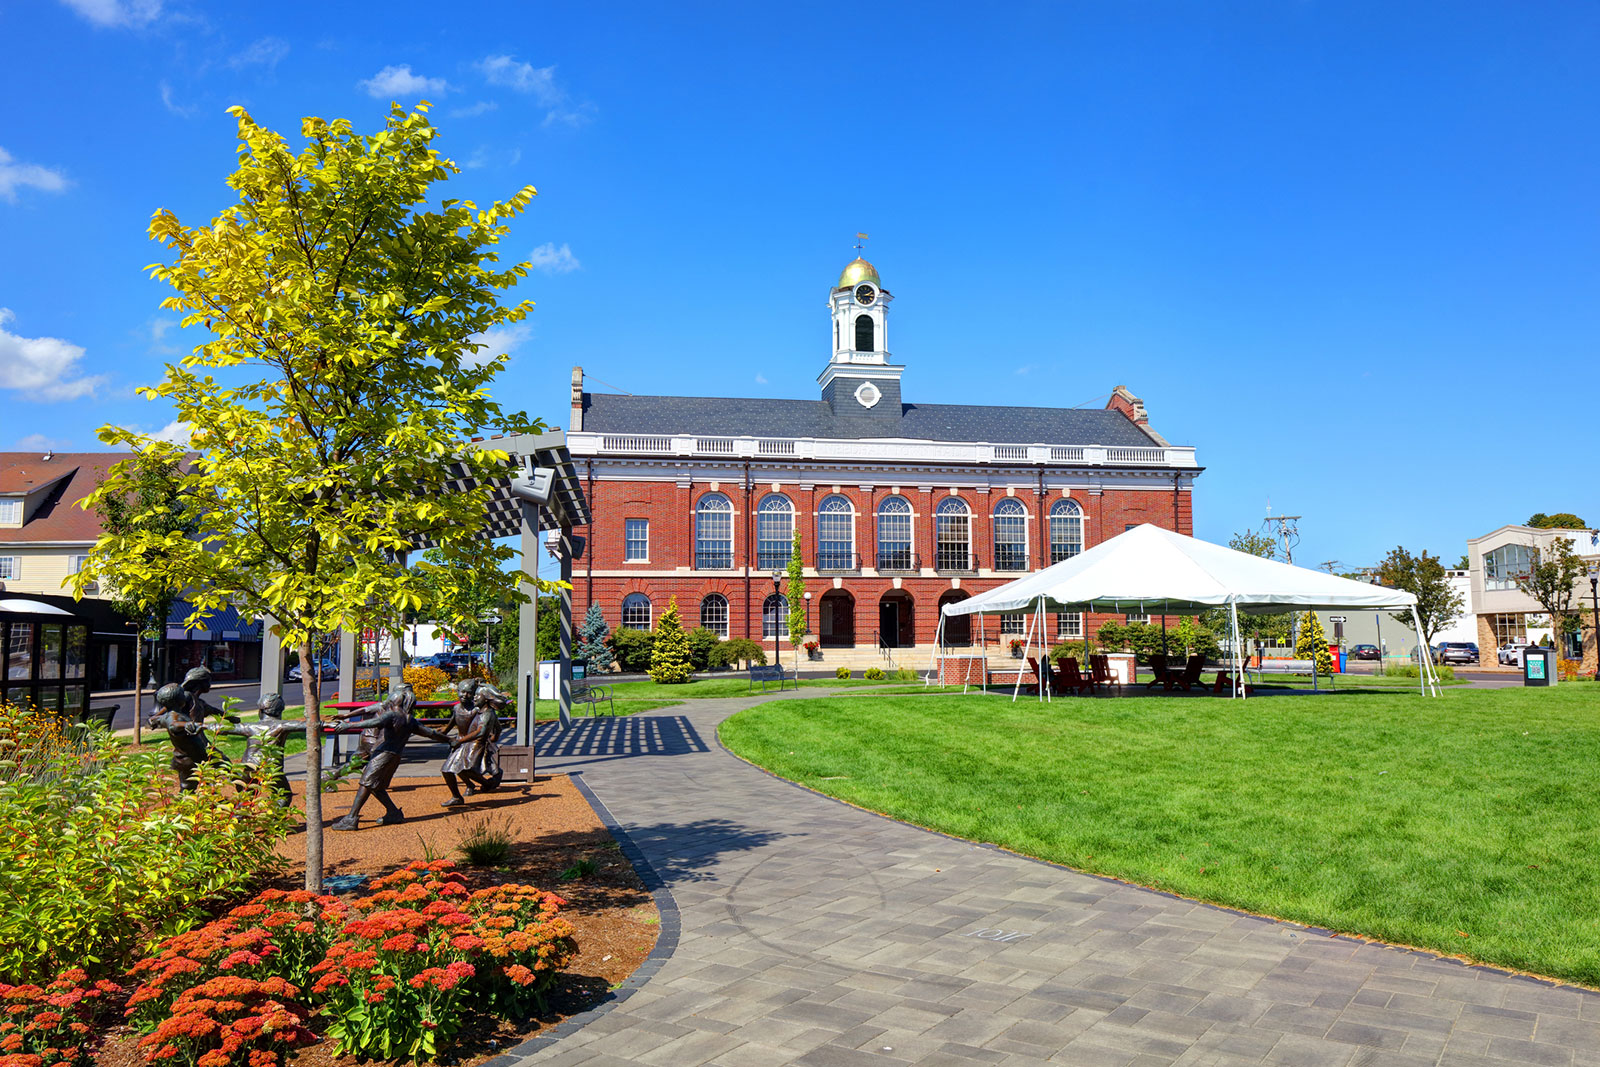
(196, 684)
(475, 757)
(190, 747)
(264, 744)
(394, 724)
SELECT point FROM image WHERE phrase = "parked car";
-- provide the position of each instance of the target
(329, 669)
(436, 659)
(1510, 654)
(452, 663)
(1457, 652)
(1364, 652)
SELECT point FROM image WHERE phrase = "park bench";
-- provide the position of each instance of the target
(589, 693)
(768, 675)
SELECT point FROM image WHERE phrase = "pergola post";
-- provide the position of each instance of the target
(566, 550)
(397, 639)
(347, 664)
(528, 627)
(271, 657)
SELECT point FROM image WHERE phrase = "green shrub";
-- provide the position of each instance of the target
(702, 643)
(486, 845)
(842, 673)
(905, 674)
(873, 674)
(632, 648)
(736, 650)
(582, 869)
(1411, 670)
(669, 659)
(99, 857)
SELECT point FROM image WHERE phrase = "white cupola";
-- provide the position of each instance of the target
(859, 376)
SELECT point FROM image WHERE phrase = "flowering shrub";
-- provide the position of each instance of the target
(229, 1020)
(426, 681)
(873, 674)
(98, 856)
(52, 1025)
(390, 971)
(276, 935)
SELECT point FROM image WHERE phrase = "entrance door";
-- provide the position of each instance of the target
(889, 624)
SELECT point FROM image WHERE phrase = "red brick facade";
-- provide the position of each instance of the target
(603, 575)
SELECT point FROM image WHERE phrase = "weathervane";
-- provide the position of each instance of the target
(860, 237)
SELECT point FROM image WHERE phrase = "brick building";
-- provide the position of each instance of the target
(901, 506)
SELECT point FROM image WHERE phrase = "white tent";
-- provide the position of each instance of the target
(1151, 569)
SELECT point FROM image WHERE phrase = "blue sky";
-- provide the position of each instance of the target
(1348, 250)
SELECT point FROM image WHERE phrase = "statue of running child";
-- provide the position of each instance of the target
(264, 744)
(394, 723)
(190, 746)
(475, 759)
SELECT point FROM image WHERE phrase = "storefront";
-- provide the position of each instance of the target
(225, 644)
(44, 656)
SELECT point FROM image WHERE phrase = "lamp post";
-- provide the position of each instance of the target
(1594, 596)
(808, 611)
(777, 627)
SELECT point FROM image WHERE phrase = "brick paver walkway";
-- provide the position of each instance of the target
(816, 934)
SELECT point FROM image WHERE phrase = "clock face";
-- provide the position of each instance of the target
(865, 294)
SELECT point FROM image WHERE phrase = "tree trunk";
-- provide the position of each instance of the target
(309, 679)
(138, 688)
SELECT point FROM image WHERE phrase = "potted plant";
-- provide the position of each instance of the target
(1016, 648)
(813, 650)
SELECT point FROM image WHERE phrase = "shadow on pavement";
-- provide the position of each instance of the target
(682, 852)
(595, 740)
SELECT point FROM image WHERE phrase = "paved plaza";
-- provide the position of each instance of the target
(808, 932)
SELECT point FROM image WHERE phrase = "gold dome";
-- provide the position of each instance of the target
(857, 272)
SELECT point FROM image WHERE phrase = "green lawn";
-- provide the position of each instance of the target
(1467, 824)
(733, 685)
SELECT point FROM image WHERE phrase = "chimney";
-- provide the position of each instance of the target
(1131, 406)
(577, 399)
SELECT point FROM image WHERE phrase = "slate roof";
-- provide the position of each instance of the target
(737, 417)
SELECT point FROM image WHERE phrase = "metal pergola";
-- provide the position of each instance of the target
(512, 512)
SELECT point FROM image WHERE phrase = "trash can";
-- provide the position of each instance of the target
(1538, 666)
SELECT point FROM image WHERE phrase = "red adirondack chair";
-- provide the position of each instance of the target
(1072, 679)
(1100, 671)
(1191, 674)
(1158, 664)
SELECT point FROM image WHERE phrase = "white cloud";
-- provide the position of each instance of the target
(38, 442)
(14, 176)
(541, 83)
(156, 333)
(575, 116)
(42, 368)
(398, 81)
(117, 12)
(267, 52)
(172, 105)
(1026, 368)
(174, 432)
(480, 108)
(502, 340)
(761, 379)
(524, 78)
(552, 260)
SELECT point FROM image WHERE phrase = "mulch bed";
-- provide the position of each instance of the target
(552, 828)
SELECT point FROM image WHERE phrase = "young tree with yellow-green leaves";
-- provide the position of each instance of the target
(344, 306)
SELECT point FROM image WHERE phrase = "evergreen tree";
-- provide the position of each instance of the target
(592, 645)
(797, 593)
(669, 659)
(1313, 643)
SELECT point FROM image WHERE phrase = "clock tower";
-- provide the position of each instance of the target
(859, 378)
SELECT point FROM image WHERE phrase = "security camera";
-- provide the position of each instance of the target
(534, 484)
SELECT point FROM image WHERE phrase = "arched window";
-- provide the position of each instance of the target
(714, 614)
(836, 535)
(894, 534)
(636, 611)
(775, 615)
(1066, 530)
(713, 533)
(1010, 535)
(774, 532)
(864, 334)
(952, 529)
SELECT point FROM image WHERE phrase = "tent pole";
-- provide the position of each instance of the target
(1430, 677)
(935, 656)
(1044, 657)
(1238, 671)
(983, 648)
(1027, 646)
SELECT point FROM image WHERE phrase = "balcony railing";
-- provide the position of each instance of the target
(899, 561)
(819, 448)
